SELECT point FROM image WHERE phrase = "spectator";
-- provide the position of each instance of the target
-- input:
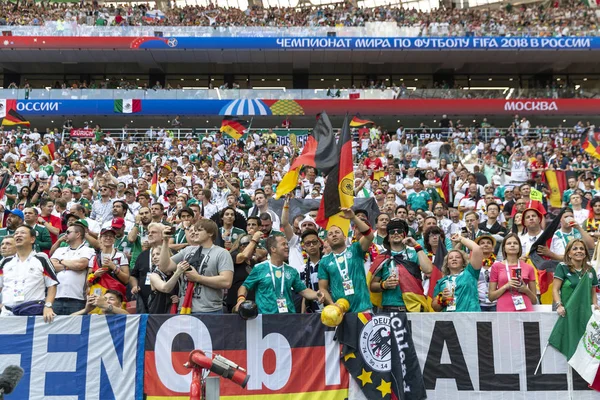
(27, 278)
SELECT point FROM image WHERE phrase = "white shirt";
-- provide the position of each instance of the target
(26, 280)
(72, 283)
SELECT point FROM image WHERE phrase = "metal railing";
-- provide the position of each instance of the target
(295, 94)
(416, 134)
(371, 29)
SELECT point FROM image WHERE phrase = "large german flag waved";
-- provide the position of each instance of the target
(339, 187)
(14, 118)
(358, 121)
(234, 127)
(320, 152)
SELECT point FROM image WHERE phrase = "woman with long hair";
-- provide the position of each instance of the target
(568, 276)
(420, 219)
(229, 233)
(517, 224)
(457, 290)
(432, 239)
(512, 281)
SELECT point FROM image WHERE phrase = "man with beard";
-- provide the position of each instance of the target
(399, 247)
(342, 271)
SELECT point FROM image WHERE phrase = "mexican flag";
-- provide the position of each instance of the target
(128, 106)
(577, 335)
(586, 359)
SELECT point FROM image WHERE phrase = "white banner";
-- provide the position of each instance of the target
(74, 358)
(486, 356)
(2, 108)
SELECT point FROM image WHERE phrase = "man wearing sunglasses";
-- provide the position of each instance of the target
(399, 249)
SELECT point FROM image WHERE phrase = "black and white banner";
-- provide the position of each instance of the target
(491, 356)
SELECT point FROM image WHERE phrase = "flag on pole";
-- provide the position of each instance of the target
(155, 187)
(569, 330)
(319, 152)
(128, 106)
(436, 271)
(234, 127)
(339, 187)
(14, 118)
(557, 182)
(586, 359)
(49, 149)
(358, 121)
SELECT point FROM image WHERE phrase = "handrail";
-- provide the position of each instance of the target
(414, 133)
(371, 29)
(400, 92)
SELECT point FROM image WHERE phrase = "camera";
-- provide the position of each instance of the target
(170, 230)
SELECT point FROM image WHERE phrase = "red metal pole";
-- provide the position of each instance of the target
(196, 386)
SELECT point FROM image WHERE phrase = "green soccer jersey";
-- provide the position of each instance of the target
(271, 283)
(571, 280)
(235, 233)
(466, 294)
(393, 297)
(419, 201)
(350, 261)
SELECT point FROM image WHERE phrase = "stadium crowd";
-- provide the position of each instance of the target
(190, 225)
(571, 18)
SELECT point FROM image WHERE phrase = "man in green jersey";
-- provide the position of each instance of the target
(273, 280)
(343, 270)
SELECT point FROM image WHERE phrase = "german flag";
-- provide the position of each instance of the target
(436, 272)
(409, 279)
(155, 187)
(590, 143)
(544, 268)
(339, 187)
(320, 151)
(557, 182)
(234, 127)
(14, 118)
(358, 121)
(49, 150)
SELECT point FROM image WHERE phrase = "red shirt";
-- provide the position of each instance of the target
(531, 204)
(373, 165)
(55, 222)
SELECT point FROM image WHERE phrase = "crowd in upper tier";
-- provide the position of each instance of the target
(572, 18)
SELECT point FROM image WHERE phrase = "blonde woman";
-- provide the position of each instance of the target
(568, 275)
(457, 290)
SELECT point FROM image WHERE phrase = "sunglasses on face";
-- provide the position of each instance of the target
(311, 243)
(396, 232)
(244, 243)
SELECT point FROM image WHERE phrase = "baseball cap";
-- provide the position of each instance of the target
(77, 189)
(117, 223)
(83, 223)
(105, 230)
(18, 213)
(170, 193)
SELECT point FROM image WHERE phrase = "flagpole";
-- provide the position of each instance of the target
(541, 358)
(570, 382)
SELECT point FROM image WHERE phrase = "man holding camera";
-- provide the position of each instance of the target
(210, 269)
